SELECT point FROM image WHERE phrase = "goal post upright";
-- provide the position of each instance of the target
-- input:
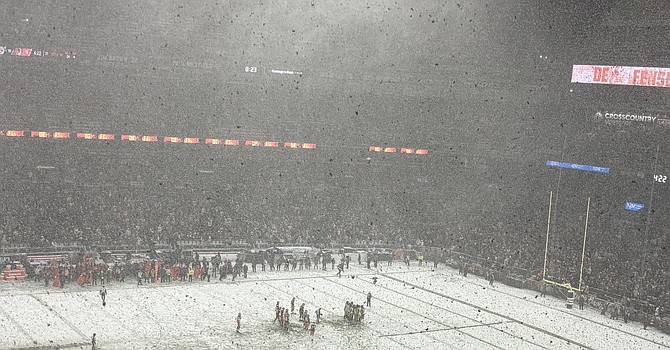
(567, 286)
(586, 226)
(546, 244)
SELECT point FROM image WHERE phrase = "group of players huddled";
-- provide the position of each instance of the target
(283, 317)
(353, 312)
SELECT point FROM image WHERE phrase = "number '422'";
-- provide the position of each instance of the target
(660, 178)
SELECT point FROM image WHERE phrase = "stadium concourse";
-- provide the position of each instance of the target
(412, 307)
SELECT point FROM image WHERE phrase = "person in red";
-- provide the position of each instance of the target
(238, 319)
(305, 325)
(312, 329)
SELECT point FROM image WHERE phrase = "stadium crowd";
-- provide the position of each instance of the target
(631, 277)
(635, 273)
(86, 217)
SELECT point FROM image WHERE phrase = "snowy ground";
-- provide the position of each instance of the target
(411, 308)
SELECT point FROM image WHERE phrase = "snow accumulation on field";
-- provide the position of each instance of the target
(412, 307)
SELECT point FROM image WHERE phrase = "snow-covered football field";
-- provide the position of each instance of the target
(412, 307)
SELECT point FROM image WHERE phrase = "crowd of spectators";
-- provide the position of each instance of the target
(60, 216)
(637, 270)
(66, 216)
(623, 270)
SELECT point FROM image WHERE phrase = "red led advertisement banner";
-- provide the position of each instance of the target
(105, 137)
(61, 135)
(190, 140)
(40, 134)
(395, 150)
(171, 139)
(129, 138)
(31, 52)
(621, 75)
(149, 138)
(195, 140)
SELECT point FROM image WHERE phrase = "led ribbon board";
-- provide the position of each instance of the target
(634, 206)
(597, 169)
